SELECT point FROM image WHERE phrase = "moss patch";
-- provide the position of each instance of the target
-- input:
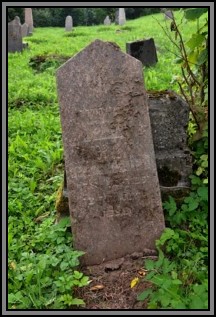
(61, 205)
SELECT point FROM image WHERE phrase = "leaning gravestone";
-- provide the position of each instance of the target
(68, 23)
(29, 20)
(169, 115)
(14, 36)
(145, 51)
(113, 190)
(24, 30)
(107, 20)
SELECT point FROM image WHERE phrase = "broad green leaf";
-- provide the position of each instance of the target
(77, 302)
(84, 280)
(196, 302)
(144, 294)
(203, 57)
(199, 171)
(177, 282)
(192, 57)
(77, 275)
(194, 13)
(203, 193)
(149, 264)
(166, 235)
(178, 305)
(195, 41)
(64, 265)
(165, 301)
(170, 206)
(193, 205)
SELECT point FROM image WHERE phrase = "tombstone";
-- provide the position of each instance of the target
(169, 116)
(107, 20)
(122, 17)
(168, 14)
(117, 17)
(173, 157)
(29, 20)
(24, 30)
(68, 23)
(14, 36)
(113, 189)
(144, 50)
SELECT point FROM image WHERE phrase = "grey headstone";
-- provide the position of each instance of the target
(29, 20)
(169, 115)
(24, 30)
(144, 50)
(116, 17)
(113, 189)
(107, 20)
(168, 14)
(14, 36)
(122, 17)
(68, 23)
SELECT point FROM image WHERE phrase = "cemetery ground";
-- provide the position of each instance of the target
(44, 270)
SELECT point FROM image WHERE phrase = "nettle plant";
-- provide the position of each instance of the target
(192, 56)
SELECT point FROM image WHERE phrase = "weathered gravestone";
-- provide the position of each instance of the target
(169, 117)
(68, 23)
(29, 20)
(24, 30)
(113, 190)
(107, 20)
(14, 36)
(144, 50)
(121, 17)
(117, 16)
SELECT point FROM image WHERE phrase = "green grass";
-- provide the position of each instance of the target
(40, 254)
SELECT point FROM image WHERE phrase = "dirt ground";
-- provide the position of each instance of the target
(110, 286)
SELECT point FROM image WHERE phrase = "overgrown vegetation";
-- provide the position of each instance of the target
(41, 261)
(180, 276)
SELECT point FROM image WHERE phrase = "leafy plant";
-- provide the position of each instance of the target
(49, 275)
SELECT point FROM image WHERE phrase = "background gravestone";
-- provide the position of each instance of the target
(107, 20)
(14, 36)
(113, 190)
(168, 14)
(68, 23)
(144, 50)
(24, 30)
(29, 20)
(122, 17)
(117, 17)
